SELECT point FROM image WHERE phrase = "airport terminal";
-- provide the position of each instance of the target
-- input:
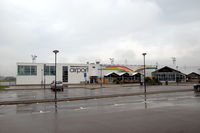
(44, 73)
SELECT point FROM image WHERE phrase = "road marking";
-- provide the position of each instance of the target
(146, 101)
(41, 112)
(118, 104)
(81, 108)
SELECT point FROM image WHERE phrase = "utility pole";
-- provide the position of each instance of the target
(111, 61)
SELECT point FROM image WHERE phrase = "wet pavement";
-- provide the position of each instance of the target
(125, 103)
(172, 112)
(37, 94)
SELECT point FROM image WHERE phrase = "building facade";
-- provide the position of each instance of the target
(40, 73)
(193, 77)
(169, 74)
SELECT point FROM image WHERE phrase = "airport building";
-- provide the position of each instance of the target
(169, 74)
(40, 73)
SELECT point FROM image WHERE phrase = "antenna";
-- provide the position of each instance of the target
(111, 60)
(174, 61)
(156, 65)
(33, 58)
(176, 67)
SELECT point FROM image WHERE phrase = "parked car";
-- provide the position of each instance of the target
(59, 86)
(196, 87)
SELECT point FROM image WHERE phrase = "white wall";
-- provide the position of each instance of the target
(75, 75)
(30, 79)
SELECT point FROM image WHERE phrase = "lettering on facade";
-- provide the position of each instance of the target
(78, 69)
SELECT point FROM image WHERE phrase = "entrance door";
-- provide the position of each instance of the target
(65, 73)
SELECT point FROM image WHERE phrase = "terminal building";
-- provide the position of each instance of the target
(44, 73)
(169, 74)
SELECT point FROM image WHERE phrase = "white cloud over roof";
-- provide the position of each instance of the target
(97, 29)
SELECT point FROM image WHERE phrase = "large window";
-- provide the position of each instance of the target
(27, 70)
(49, 70)
(65, 73)
(166, 77)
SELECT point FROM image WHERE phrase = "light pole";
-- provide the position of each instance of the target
(144, 73)
(55, 51)
(44, 75)
(101, 76)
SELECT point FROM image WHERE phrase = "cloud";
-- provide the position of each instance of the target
(88, 30)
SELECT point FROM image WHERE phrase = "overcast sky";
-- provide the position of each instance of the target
(85, 30)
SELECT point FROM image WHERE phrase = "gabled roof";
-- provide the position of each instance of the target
(132, 74)
(123, 73)
(167, 69)
(120, 74)
(111, 73)
(193, 73)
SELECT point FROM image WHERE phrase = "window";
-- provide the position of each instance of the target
(27, 70)
(65, 73)
(49, 70)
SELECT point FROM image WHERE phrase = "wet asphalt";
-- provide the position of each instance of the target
(37, 94)
(159, 113)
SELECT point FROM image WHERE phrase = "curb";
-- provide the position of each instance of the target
(88, 97)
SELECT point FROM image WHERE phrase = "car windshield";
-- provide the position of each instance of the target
(57, 82)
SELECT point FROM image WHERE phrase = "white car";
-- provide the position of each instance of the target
(59, 86)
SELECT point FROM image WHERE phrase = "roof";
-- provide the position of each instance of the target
(167, 69)
(110, 73)
(193, 73)
(121, 74)
(132, 74)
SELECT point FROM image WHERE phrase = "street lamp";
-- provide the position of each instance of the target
(44, 75)
(101, 76)
(144, 73)
(55, 51)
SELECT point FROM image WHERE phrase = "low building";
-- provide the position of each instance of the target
(40, 73)
(169, 74)
(193, 77)
(122, 77)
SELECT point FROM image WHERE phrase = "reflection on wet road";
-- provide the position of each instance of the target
(106, 105)
(17, 95)
(164, 112)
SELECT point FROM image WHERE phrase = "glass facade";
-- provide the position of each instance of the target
(65, 73)
(27, 70)
(49, 70)
(166, 77)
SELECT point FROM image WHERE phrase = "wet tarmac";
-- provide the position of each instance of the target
(174, 113)
(138, 102)
(37, 94)
(157, 113)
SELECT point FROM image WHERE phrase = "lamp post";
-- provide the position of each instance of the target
(55, 51)
(144, 73)
(101, 76)
(44, 75)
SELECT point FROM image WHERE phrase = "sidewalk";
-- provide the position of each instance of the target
(70, 86)
(90, 86)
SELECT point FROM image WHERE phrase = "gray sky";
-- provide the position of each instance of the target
(85, 30)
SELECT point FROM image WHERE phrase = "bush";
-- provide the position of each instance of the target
(2, 87)
(152, 81)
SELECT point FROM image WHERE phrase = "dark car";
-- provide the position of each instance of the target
(196, 87)
(59, 86)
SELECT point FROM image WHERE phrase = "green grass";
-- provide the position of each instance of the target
(2, 87)
(6, 80)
